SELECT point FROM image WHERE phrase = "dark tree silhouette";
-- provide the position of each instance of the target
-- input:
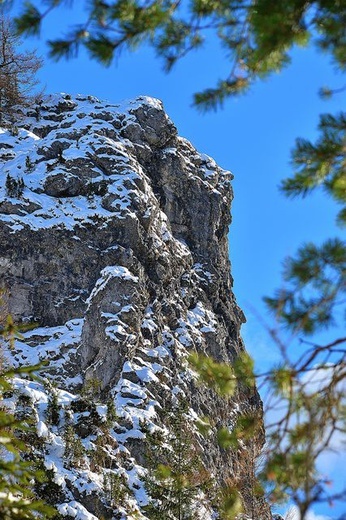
(17, 71)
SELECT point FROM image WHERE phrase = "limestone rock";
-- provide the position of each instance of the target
(117, 252)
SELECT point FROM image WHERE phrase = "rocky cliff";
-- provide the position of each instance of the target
(113, 246)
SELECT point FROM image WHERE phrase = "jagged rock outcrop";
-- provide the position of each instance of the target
(113, 243)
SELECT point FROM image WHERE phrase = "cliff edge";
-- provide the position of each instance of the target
(113, 246)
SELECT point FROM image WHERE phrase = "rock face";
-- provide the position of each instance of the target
(113, 243)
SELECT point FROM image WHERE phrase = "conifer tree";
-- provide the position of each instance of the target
(17, 476)
(257, 37)
(176, 474)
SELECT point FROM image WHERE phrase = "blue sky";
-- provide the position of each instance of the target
(251, 136)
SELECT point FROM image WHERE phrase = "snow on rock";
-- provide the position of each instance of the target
(75, 510)
(114, 258)
(42, 430)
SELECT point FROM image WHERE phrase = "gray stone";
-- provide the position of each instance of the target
(142, 257)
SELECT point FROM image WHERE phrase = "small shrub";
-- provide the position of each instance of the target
(74, 449)
(53, 408)
(112, 415)
(91, 389)
(46, 487)
(99, 456)
(29, 165)
(14, 130)
(116, 489)
(25, 400)
(81, 405)
(144, 427)
(37, 113)
(14, 187)
(89, 423)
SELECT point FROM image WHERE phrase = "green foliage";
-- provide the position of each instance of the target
(47, 489)
(321, 164)
(29, 165)
(226, 438)
(243, 368)
(99, 455)
(282, 379)
(176, 474)
(310, 398)
(223, 377)
(290, 472)
(213, 98)
(309, 415)
(231, 504)
(203, 426)
(115, 487)
(90, 390)
(256, 36)
(14, 130)
(62, 49)
(219, 376)
(74, 449)
(112, 415)
(101, 48)
(17, 498)
(316, 287)
(53, 407)
(29, 21)
(14, 187)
